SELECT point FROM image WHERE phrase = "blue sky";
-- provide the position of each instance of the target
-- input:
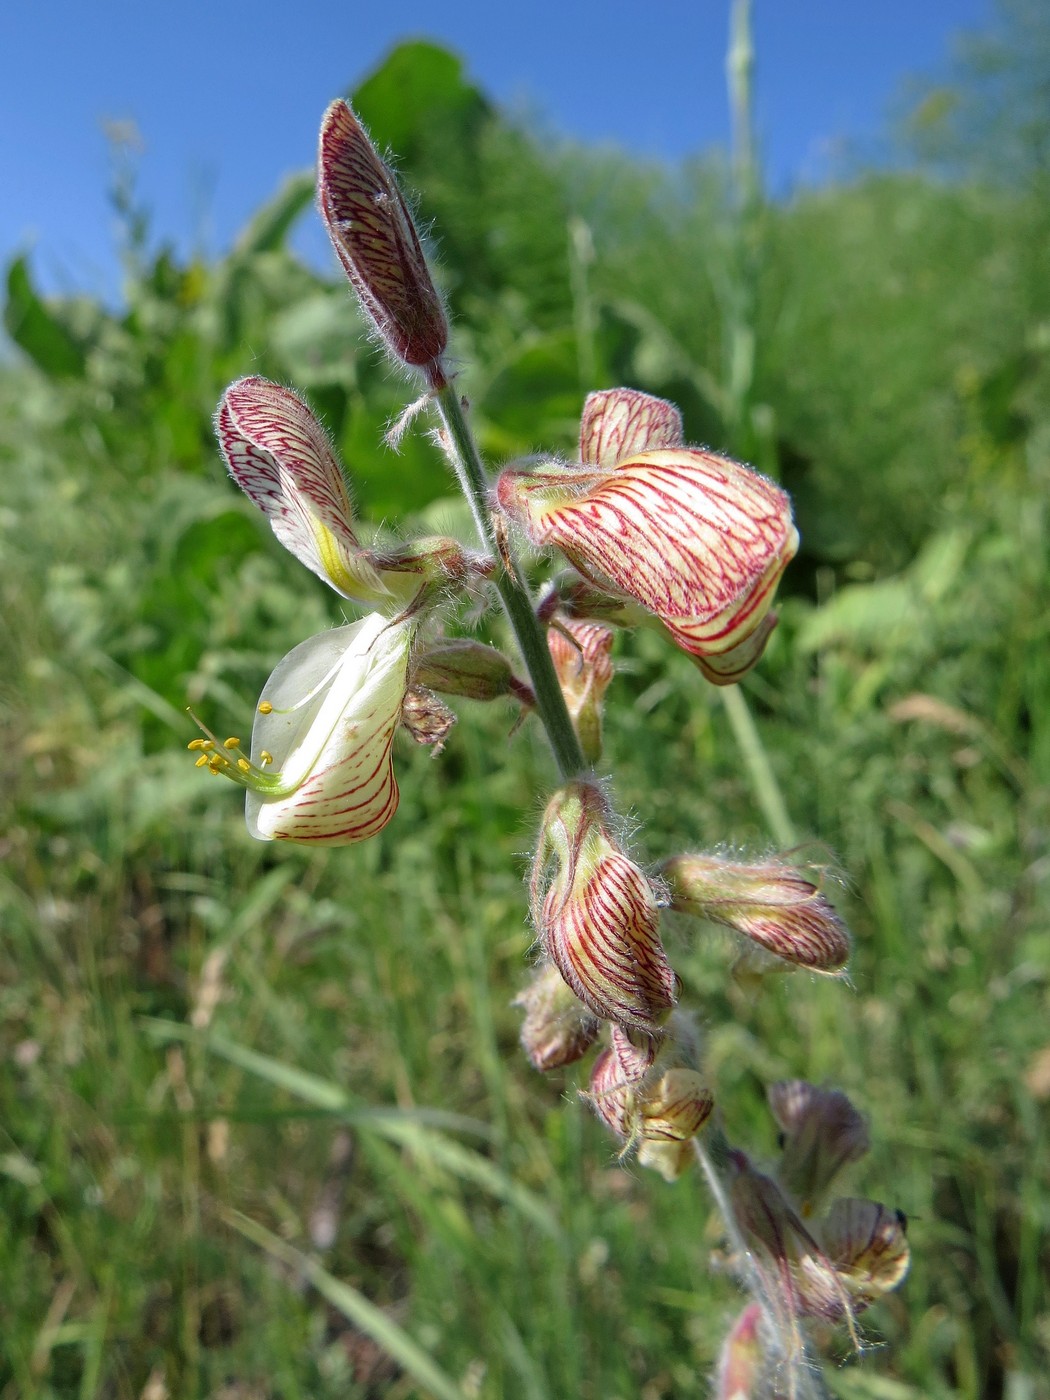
(227, 98)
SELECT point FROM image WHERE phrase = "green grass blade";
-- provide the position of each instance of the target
(375, 1323)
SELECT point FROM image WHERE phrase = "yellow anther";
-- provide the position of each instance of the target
(216, 763)
(201, 761)
(265, 708)
(244, 765)
(196, 743)
(233, 743)
(265, 757)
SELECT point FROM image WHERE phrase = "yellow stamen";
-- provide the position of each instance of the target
(201, 761)
(197, 744)
(233, 743)
(265, 757)
(265, 708)
(244, 765)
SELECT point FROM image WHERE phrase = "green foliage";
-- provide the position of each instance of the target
(266, 1128)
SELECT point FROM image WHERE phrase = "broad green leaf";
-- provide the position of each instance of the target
(418, 87)
(36, 330)
(268, 227)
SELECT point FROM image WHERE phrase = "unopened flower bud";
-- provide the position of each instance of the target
(557, 1029)
(611, 1096)
(427, 718)
(581, 652)
(676, 1107)
(375, 239)
(660, 1115)
(740, 1362)
(770, 903)
(596, 914)
(459, 666)
(821, 1133)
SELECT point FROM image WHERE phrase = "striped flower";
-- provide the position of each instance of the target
(820, 1261)
(596, 914)
(771, 903)
(698, 540)
(831, 1267)
(320, 771)
(280, 457)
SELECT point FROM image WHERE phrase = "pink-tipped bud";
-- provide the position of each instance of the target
(740, 1362)
(611, 1096)
(458, 666)
(581, 652)
(596, 914)
(822, 1133)
(770, 903)
(375, 239)
(427, 718)
(617, 423)
(558, 1029)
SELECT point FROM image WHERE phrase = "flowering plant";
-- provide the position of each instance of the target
(648, 531)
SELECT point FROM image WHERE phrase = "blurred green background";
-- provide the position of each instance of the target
(265, 1128)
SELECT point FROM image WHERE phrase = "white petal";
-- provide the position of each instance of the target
(342, 693)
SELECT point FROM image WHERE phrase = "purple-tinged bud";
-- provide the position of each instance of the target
(558, 1029)
(634, 1051)
(831, 1268)
(581, 652)
(611, 1096)
(740, 1362)
(771, 903)
(458, 666)
(279, 455)
(375, 239)
(783, 1247)
(427, 718)
(868, 1246)
(596, 914)
(617, 423)
(822, 1133)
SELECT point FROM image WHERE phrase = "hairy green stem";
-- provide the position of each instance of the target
(512, 588)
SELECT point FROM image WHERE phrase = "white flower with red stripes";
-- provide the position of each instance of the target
(697, 540)
(320, 770)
